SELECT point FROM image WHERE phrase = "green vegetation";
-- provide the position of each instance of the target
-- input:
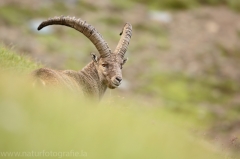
(180, 88)
(86, 6)
(234, 4)
(37, 120)
(10, 61)
(57, 45)
(18, 15)
(112, 20)
(187, 4)
(121, 5)
(169, 4)
(15, 15)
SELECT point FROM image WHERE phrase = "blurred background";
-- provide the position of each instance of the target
(184, 55)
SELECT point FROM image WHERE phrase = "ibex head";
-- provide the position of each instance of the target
(110, 69)
(109, 64)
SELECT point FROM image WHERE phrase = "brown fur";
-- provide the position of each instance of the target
(92, 80)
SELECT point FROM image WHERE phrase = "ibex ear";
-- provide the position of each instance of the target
(125, 60)
(94, 57)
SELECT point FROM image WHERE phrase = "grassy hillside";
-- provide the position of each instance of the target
(51, 123)
(182, 79)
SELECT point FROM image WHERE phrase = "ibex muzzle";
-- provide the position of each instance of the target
(104, 70)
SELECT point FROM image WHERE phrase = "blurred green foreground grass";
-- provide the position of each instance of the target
(42, 120)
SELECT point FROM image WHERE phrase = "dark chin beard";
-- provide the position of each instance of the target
(111, 87)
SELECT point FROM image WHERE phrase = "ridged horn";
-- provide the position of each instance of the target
(88, 30)
(124, 40)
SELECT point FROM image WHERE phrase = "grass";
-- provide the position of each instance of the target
(119, 6)
(169, 4)
(54, 44)
(86, 6)
(188, 95)
(112, 20)
(15, 15)
(188, 4)
(57, 45)
(37, 120)
(10, 61)
(234, 4)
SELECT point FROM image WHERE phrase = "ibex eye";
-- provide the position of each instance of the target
(104, 65)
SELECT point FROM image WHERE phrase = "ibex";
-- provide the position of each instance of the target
(104, 71)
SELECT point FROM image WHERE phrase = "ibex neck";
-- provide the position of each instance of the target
(93, 80)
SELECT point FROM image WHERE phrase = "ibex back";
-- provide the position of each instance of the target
(104, 71)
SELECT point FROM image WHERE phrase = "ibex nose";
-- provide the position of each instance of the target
(119, 79)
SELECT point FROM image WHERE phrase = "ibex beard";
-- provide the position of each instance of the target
(105, 71)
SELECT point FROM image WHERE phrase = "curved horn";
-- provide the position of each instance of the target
(88, 30)
(124, 40)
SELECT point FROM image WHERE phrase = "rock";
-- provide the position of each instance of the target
(163, 17)
(212, 27)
